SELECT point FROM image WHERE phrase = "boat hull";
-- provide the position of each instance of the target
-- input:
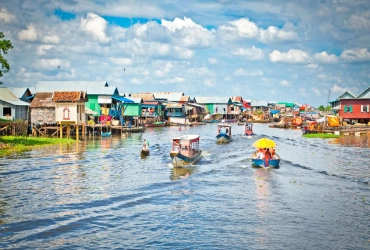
(249, 132)
(133, 129)
(274, 163)
(106, 134)
(162, 124)
(179, 160)
(223, 138)
(144, 152)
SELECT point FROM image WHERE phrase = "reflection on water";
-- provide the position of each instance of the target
(100, 193)
(362, 141)
(181, 173)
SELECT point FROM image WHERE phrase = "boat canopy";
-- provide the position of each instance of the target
(187, 137)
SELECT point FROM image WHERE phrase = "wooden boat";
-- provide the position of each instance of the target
(224, 133)
(133, 129)
(241, 123)
(106, 134)
(248, 129)
(155, 124)
(144, 152)
(185, 150)
(274, 162)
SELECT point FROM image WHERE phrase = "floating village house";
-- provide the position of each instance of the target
(174, 106)
(42, 112)
(151, 109)
(70, 109)
(350, 107)
(220, 106)
(11, 107)
(130, 111)
(100, 94)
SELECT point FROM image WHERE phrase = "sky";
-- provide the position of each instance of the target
(307, 51)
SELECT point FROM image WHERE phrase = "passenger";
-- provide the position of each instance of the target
(260, 154)
(273, 154)
(176, 146)
(145, 145)
(267, 157)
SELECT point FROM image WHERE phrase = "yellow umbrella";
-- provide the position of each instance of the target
(264, 143)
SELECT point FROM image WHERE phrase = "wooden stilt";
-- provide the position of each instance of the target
(61, 131)
(77, 132)
(68, 131)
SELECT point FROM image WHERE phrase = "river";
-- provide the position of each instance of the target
(99, 194)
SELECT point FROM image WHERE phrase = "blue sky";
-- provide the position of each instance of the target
(274, 50)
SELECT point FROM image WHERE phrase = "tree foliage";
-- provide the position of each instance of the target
(5, 45)
(322, 108)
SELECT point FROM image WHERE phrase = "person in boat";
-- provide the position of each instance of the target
(145, 145)
(267, 156)
(176, 146)
(227, 131)
(260, 154)
(273, 154)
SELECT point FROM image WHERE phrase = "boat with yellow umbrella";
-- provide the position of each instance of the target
(265, 155)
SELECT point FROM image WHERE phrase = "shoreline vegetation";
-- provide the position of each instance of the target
(16, 144)
(321, 135)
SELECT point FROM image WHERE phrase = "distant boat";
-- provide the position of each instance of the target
(106, 134)
(133, 129)
(224, 133)
(248, 131)
(144, 152)
(185, 150)
(155, 124)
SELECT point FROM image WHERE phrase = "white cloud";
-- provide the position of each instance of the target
(202, 71)
(251, 53)
(173, 80)
(312, 66)
(355, 55)
(285, 83)
(51, 64)
(273, 34)
(242, 72)
(242, 28)
(302, 91)
(187, 33)
(358, 22)
(323, 57)
(293, 56)
(338, 89)
(121, 61)
(95, 26)
(212, 60)
(316, 91)
(135, 81)
(208, 82)
(51, 39)
(29, 34)
(5, 16)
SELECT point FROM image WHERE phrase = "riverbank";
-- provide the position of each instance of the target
(16, 144)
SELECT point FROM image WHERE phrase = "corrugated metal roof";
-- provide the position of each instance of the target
(18, 92)
(43, 100)
(69, 96)
(91, 87)
(213, 99)
(136, 99)
(7, 96)
(174, 105)
(255, 103)
(184, 99)
(154, 103)
(145, 96)
(170, 96)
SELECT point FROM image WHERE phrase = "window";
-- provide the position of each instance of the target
(7, 111)
(364, 108)
(347, 109)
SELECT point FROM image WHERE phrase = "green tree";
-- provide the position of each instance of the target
(321, 108)
(5, 45)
